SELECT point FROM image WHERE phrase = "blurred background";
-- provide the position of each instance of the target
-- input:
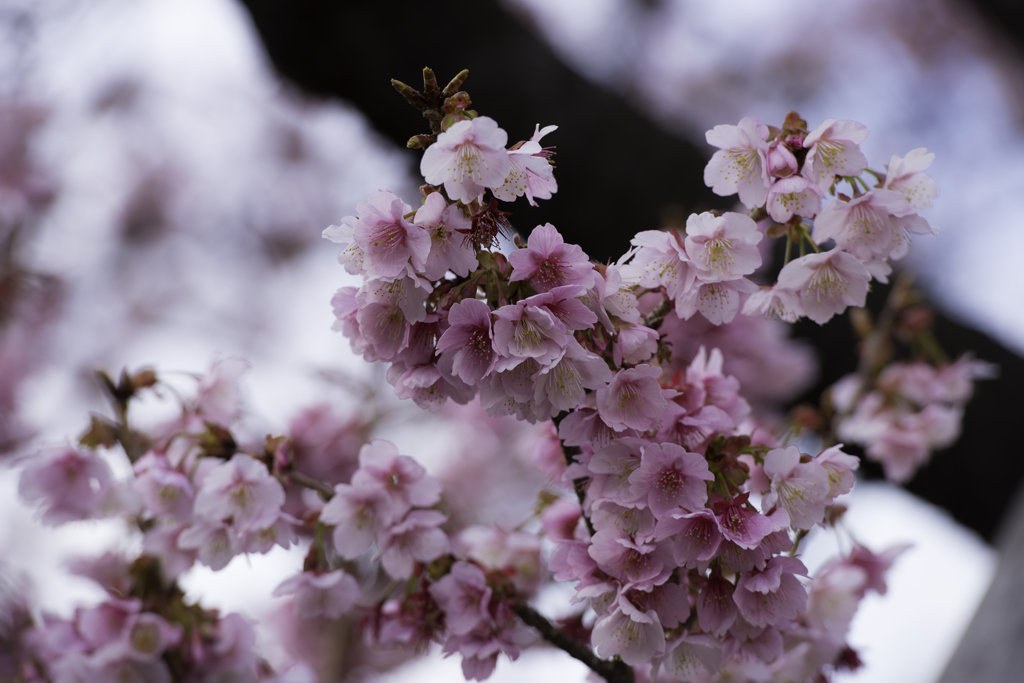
(166, 170)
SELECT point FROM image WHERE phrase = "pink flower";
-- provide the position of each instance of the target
(565, 304)
(393, 246)
(669, 601)
(692, 655)
(722, 247)
(840, 467)
(633, 399)
(634, 635)
(416, 537)
(70, 484)
(243, 491)
(585, 426)
(613, 296)
(166, 493)
(661, 261)
(386, 311)
(447, 227)
(463, 595)
(634, 344)
(775, 302)
(827, 283)
(863, 226)
(765, 598)
(906, 176)
(219, 398)
(468, 158)
(469, 336)
(741, 524)
(321, 595)
(800, 488)
(669, 478)
(548, 262)
(531, 172)
(833, 151)
(564, 383)
(738, 166)
(719, 302)
(716, 610)
(780, 160)
(522, 331)
(628, 559)
(357, 515)
(403, 479)
(352, 257)
(215, 544)
(794, 196)
(695, 535)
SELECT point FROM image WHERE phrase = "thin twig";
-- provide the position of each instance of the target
(310, 483)
(613, 671)
(655, 317)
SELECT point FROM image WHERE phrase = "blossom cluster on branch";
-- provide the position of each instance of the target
(679, 494)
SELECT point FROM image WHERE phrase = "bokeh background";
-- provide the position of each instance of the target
(166, 170)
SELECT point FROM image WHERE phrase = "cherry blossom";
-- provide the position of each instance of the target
(833, 151)
(548, 262)
(670, 477)
(468, 158)
(722, 247)
(240, 490)
(70, 484)
(906, 176)
(739, 165)
(392, 244)
(530, 171)
(632, 399)
(827, 283)
(800, 488)
(446, 225)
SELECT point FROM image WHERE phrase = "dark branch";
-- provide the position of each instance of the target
(613, 671)
(578, 485)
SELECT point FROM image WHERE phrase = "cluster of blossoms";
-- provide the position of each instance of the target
(786, 175)
(544, 329)
(683, 570)
(682, 501)
(194, 495)
(912, 409)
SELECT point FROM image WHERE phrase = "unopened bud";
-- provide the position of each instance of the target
(456, 83)
(412, 95)
(144, 378)
(780, 160)
(459, 100)
(430, 89)
(794, 124)
(420, 141)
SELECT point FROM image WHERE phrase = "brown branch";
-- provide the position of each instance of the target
(310, 483)
(579, 485)
(655, 317)
(613, 671)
